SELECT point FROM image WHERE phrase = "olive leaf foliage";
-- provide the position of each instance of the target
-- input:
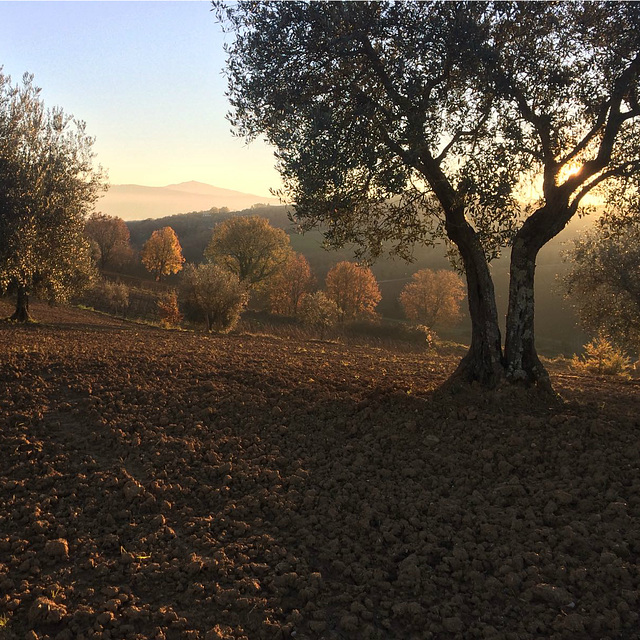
(48, 185)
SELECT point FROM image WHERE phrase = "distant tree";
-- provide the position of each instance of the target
(319, 311)
(397, 123)
(603, 284)
(111, 235)
(354, 290)
(249, 247)
(48, 184)
(433, 298)
(162, 254)
(290, 284)
(216, 293)
(168, 310)
(106, 295)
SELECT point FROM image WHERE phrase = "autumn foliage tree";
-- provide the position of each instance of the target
(354, 289)
(111, 235)
(433, 298)
(249, 247)
(162, 253)
(168, 309)
(291, 283)
(48, 185)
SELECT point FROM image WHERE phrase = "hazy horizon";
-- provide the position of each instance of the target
(139, 202)
(149, 87)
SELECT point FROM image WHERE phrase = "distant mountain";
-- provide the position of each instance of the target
(136, 202)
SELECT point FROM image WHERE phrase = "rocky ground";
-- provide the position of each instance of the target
(166, 484)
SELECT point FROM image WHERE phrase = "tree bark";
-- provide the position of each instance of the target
(521, 358)
(483, 362)
(21, 313)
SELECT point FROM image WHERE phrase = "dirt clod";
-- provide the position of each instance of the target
(57, 548)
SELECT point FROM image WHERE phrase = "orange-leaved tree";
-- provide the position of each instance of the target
(433, 297)
(290, 285)
(168, 310)
(354, 289)
(111, 235)
(162, 253)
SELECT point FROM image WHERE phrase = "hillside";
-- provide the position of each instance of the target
(164, 484)
(555, 321)
(136, 202)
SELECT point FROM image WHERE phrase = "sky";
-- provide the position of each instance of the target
(147, 78)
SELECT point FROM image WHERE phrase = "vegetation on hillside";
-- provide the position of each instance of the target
(603, 284)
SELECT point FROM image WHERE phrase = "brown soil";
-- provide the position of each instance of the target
(163, 484)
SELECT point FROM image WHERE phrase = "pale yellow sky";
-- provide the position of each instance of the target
(147, 79)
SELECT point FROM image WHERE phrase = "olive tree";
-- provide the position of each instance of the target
(486, 124)
(216, 293)
(603, 284)
(249, 247)
(48, 185)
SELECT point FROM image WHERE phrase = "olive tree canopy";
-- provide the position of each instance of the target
(48, 185)
(487, 124)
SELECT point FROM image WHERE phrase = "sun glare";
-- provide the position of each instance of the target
(568, 171)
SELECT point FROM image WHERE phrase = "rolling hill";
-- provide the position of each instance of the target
(137, 202)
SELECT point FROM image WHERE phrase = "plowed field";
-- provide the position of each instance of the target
(165, 484)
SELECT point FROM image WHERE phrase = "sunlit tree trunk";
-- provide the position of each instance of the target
(521, 357)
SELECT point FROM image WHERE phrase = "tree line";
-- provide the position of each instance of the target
(247, 256)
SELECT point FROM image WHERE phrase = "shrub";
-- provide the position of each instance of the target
(108, 296)
(318, 311)
(602, 358)
(117, 294)
(216, 293)
(168, 310)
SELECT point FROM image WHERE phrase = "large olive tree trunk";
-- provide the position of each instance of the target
(521, 358)
(483, 362)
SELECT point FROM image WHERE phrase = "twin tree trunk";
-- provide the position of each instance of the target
(485, 361)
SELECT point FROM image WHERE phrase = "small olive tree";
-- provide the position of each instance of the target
(48, 185)
(319, 311)
(216, 293)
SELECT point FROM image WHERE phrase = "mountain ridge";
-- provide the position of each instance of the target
(140, 202)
